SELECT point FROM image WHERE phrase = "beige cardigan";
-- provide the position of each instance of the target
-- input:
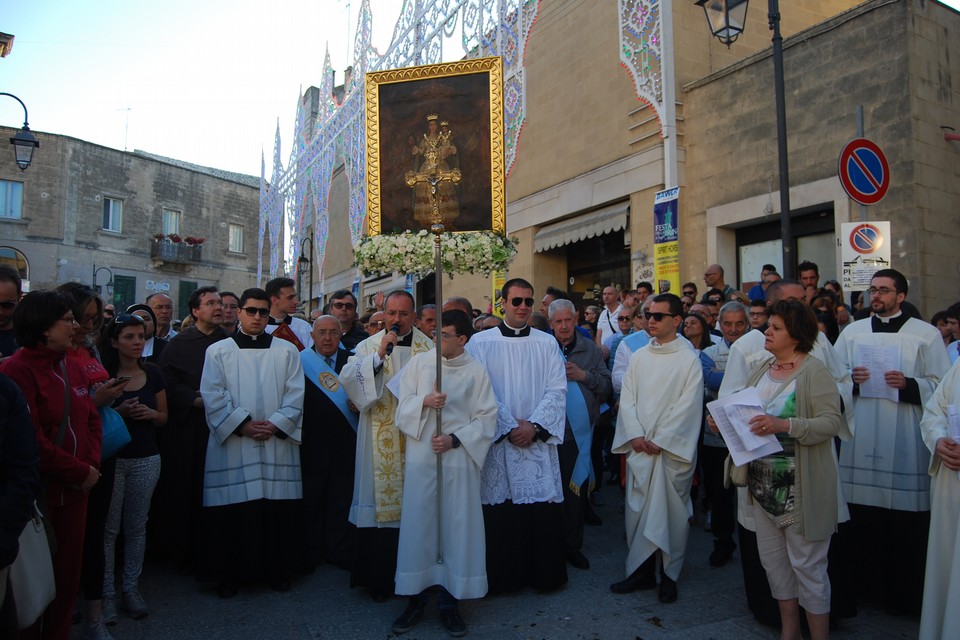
(817, 422)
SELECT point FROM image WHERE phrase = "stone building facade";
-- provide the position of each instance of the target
(82, 206)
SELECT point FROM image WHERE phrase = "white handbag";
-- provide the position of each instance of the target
(31, 574)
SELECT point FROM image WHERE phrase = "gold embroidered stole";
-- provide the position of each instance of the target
(284, 332)
(389, 444)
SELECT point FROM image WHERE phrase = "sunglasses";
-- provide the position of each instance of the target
(528, 302)
(624, 318)
(256, 311)
(8, 305)
(690, 293)
(377, 323)
(344, 305)
(657, 316)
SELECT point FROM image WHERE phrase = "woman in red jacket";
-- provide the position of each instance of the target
(69, 446)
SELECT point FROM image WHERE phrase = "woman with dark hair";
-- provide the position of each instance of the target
(68, 437)
(143, 406)
(695, 330)
(794, 492)
(153, 346)
(827, 325)
(88, 310)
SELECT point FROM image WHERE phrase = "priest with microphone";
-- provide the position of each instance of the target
(378, 478)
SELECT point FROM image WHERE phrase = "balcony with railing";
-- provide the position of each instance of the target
(176, 252)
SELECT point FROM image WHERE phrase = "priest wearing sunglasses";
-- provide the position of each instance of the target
(252, 389)
(658, 429)
(520, 485)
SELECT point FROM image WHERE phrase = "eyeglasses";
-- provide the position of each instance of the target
(256, 311)
(377, 323)
(527, 302)
(448, 336)
(758, 314)
(883, 291)
(8, 305)
(349, 306)
(624, 318)
(68, 319)
(656, 316)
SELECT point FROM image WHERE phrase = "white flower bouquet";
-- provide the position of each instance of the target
(413, 252)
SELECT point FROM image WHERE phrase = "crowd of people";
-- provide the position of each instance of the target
(445, 450)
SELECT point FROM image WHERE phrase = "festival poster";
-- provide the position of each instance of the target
(666, 241)
(498, 279)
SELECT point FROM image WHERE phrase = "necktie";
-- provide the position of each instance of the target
(329, 361)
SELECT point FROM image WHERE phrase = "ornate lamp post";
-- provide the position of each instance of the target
(727, 19)
(305, 265)
(109, 285)
(24, 144)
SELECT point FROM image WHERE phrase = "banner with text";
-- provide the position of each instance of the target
(666, 241)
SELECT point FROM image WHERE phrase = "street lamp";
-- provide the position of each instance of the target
(109, 284)
(304, 265)
(727, 19)
(24, 144)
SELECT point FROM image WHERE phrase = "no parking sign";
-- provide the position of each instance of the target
(864, 172)
(865, 249)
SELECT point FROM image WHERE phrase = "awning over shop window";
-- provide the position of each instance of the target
(588, 225)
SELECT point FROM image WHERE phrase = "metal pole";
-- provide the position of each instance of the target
(310, 299)
(786, 235)
(437, 230)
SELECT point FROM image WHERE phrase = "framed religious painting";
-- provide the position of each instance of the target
(435, 148)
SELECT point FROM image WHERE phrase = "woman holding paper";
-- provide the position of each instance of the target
(794, 492)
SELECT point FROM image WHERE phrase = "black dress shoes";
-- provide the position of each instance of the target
(639, 580)
(668, 590)
(410, 617)
(577, 559)
(452, 622)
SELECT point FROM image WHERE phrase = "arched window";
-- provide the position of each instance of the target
(12, 257)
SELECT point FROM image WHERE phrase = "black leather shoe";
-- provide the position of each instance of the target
(578, 560)
(721, 555)
(227, 589)
(452, 622)
(636, 581)
(668, 590)
(409, 618)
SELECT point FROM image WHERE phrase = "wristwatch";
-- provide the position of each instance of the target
(455, 441)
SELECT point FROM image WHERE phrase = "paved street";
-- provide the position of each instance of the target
(321, 606)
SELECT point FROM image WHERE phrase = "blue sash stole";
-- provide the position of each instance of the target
(579, 418)
(325, 378)
(637, 341)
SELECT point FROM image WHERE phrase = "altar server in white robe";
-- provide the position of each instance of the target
(941, 586)
(468, 412)
(884, 469)
(252, 388)
(378, 475)
(520, 484)
(658, 428)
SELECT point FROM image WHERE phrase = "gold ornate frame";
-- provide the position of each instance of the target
(397, 102)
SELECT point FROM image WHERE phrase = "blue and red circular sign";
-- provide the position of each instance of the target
(864, 172)
(866, 238)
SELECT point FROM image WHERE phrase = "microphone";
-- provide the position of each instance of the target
(395, 329)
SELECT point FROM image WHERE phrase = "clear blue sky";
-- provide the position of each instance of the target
(204, 80)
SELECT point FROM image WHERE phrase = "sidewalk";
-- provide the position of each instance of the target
(321, 606)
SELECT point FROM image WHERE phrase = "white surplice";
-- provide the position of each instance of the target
(535, 393)
(379, 445)
(745, 355)
(886, 463)
(471, 414)
(662, 401)
(940, 617)
(262, 384)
